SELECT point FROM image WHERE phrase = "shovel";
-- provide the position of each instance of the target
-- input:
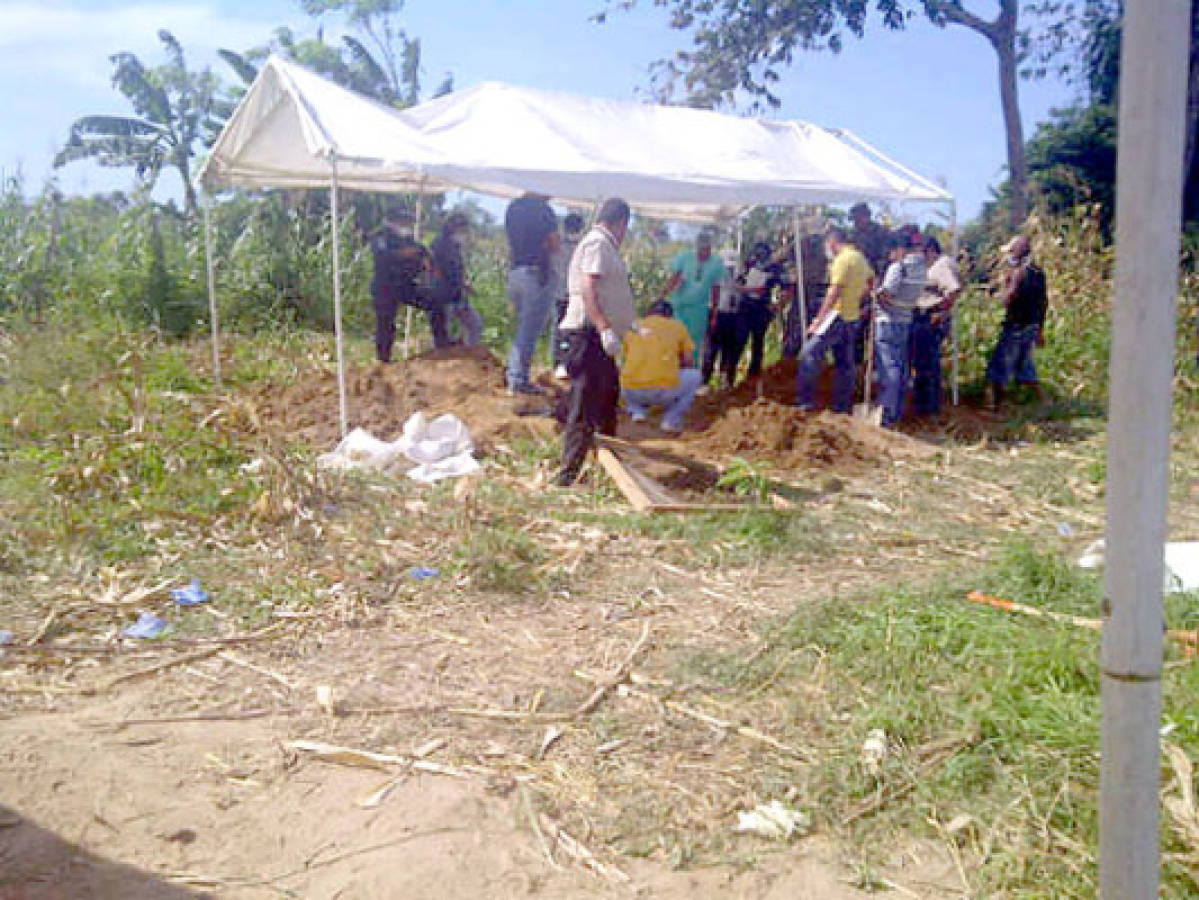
(863, 410)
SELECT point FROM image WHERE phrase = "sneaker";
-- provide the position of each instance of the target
(527, 389)
(639, 416)
(561, 374)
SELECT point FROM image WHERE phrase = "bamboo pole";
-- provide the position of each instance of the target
(1153, 93)
(342, 405)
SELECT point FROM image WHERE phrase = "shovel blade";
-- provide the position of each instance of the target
(871, 414)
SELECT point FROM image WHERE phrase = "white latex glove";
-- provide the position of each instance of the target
(610, 341)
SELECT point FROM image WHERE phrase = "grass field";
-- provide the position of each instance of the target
(120, 465)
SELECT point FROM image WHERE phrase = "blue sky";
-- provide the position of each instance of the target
(927, 97)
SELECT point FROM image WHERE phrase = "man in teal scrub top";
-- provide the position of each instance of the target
(693, 275)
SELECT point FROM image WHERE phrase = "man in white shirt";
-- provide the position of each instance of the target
(897, 298)
(931, 324)
(599, 313)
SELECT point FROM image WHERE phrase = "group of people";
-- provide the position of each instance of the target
(873, 296)
(433, 279)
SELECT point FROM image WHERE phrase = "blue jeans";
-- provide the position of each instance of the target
(927, 338)
(839, 340)
(1012, 356)
(532, 299)
(677, 400)
(892, 342)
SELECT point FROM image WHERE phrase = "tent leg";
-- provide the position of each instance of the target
(420, 208)
(801, 294)
(1153, 96)
(209, 265)
(342, 406)
(953, 320)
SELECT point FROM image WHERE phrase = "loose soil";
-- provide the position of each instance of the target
(465, 381)
(754, 421)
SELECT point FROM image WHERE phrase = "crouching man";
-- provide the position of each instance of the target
(599, 313)
(659, 367)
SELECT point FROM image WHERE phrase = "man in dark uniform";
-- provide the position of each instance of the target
(400, 266)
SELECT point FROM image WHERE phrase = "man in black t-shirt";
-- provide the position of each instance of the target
(532, 230)
(1026, 300)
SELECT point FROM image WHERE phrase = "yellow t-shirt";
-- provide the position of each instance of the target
(651, 358)
(851, 273)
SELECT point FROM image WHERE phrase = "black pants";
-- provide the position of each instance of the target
(559, 341)
(722, 344)
(594, 394)
(386, 309)
(753, 320)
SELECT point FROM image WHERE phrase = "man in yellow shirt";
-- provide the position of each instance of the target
(832, 329)
(659, 367)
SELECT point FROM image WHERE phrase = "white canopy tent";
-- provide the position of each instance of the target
(294, 129)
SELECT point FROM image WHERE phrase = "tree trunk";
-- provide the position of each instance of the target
(1001, 34)
(1005, 50)
(190, 206)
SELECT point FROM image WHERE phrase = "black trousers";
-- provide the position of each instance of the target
(386, 309)
(594, 394)
(753, 320)
(722, 348)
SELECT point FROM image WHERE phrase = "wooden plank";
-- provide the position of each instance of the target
(627, 484)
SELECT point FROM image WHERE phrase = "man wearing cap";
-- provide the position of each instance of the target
(599, 313)
(659, 367)
(693, 275)
(400, 267)
(532, 230)
(1026, 300)
(894, 310)
(832, 328)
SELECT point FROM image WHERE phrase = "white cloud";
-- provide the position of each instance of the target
(73, 44)
(55, 67)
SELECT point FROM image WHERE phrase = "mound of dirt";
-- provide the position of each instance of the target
(767, 431)
(465, 381)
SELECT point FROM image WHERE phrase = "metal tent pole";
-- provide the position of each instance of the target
(210, 267)
(953, 319)
(420, 206)
(801, 294)
(1153, 95)
(342, 405)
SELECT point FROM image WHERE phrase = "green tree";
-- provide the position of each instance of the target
(381, 61)
(742, 46)
(175, 112)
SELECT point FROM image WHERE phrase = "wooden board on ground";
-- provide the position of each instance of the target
(641, 490)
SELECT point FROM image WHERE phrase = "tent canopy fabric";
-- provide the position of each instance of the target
(292, 124)
(666, 161)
